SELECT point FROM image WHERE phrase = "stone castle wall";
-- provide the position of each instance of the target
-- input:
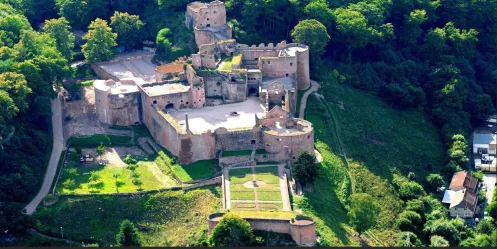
(118, 109)
(238, 140)
(302, 229)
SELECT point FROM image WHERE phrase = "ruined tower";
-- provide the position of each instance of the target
(208, 21)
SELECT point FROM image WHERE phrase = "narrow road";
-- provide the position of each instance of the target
(285, 198)
(58, 146)
(303, 102)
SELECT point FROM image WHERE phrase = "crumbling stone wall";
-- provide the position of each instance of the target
(238, 140)
(213, 86)
(278, 66)
(117, 109)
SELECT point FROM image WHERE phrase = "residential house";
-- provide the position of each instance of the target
(461, 196)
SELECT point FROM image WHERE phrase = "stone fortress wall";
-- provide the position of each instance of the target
(302, 229)
(274, 73)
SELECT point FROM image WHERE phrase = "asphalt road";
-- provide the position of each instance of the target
(58, 146)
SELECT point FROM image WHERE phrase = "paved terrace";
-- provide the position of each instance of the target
(212, 117)
(130, 65)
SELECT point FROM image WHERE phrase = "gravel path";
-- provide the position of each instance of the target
(58, 146)
(303, 102)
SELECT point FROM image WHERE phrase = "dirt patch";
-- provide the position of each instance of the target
(254, 184)
(83, 120)
(114, 155)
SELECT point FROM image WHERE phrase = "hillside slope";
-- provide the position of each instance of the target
(362, 141)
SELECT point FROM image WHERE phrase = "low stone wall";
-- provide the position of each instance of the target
(302, 229)
(212, 181)
(233, 159)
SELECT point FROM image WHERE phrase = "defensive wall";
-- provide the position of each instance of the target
(302, 229)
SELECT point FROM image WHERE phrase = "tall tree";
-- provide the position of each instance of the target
(318, 10)
(129, 29)
(100, 42)
(64, 39)
(232, 231)
(363, 212)
(163, 45)
(128, 235)
(305, 169)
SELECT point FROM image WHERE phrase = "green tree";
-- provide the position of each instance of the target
(408, 239)
(163, 45)
(128, 235)
(100, 42)
(444, 228)
(492, 206)
(69, 184)
(363, 212)
(411, 30)
(435, 180)
(15, 90)
(305, 169)
(434, 44)
(129, 29)
(232, 231)
(462, 41)
(486, 226)
(318, 10)
(12, 26)
(438, 241)
(64, 39)
(72, 172)
(74, 11)
(410, 190)
(409, 221)
(101, 149)
(352, 28)
(312, 33)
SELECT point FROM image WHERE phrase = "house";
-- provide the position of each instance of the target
(484, 150)
(461, 195)
(463, 204)
(462, 180)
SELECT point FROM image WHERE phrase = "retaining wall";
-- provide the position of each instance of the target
(302, 229)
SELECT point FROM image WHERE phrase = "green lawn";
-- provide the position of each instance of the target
(107, 183)
(198, 170)
(95, 140)
(226, 64)
(170, 218)
(376, 139)
(269, 192)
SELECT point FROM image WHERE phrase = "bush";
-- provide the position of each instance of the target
(435, 180)
(305, 169)
(409, 221)
(232, 231)
(128, 159)
(101, 149)
(410, 190)
(128, 235)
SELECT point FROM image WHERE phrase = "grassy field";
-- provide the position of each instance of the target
(197, 170)
(171, 218)
(95, 140)
(375, 139)
(269, 192)
(147, 172)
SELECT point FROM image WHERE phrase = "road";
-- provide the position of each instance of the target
(58, 146)
(314, 87)
(490, 180)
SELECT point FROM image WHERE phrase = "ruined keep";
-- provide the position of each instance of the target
(226, 97)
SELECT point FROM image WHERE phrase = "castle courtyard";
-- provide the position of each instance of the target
(213, 117)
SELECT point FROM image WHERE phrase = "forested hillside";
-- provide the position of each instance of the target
(436, 57)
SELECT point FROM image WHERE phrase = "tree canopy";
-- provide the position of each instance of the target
(363, 212)
(100, 42)
(129, 29)
(305, 170)
(128, 235)
(232, 231)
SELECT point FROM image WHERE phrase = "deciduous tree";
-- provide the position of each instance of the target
(232, 231)
(128, 235)
(100, 42)
(363, 212)
(64, 39)
(129, 29)
(305, 170)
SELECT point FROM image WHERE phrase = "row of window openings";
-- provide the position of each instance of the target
(155, 102)
(269, 62)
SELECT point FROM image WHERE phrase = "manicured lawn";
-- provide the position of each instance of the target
(268, 192)
(95, 140)
(170, 218)
(376, 139)
(226, 64)
(147, 172)
(198, 170)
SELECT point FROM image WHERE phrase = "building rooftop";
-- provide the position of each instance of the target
(484, 138)
(461, 179)
(464, 199)
(121, 87)
(163, 89)
(286, 81)
(213, 117)
(292, 51)
(136, 64)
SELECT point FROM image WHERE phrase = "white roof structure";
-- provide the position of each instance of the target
(448, 196)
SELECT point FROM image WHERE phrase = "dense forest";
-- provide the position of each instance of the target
(434, 55)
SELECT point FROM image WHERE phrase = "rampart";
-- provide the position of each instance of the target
(301, 228)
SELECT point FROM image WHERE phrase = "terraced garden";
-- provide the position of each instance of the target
(255, 188)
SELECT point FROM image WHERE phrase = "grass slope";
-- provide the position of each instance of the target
(171, 218)
(375, 139)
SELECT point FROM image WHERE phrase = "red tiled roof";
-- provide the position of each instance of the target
(458, 180)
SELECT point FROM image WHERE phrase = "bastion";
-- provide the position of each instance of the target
(301, 228)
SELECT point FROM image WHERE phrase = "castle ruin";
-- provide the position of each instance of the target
(226, 97)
